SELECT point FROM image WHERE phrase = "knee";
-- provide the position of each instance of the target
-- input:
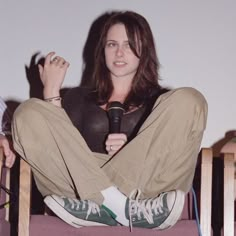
(26, 110)
(190, 97)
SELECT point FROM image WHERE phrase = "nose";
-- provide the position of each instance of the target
(119, 51)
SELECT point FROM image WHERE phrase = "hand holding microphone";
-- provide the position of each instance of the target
(115, 139)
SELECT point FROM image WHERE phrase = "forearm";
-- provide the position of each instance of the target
(52, 75)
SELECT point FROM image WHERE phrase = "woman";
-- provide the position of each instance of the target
(154, 156)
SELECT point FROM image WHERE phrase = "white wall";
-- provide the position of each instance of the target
(196, 43)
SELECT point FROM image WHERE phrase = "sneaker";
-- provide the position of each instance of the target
(161, 212)
(79, 213)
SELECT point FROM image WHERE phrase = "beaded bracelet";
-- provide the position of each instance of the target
(52, 99)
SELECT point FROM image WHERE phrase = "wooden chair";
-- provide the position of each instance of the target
(4, 212)
(229, 157)
(37, 225)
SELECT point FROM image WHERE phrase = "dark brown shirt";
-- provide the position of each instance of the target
(92, 121)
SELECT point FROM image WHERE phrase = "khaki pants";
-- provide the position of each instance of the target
(160, 158)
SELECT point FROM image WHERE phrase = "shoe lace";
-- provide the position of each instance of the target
(144, 208)
(92, 206)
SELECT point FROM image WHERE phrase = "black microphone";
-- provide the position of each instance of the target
(115, 112)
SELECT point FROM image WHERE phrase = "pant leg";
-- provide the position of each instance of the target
(163, 155)
(62, 162)
(160, 158)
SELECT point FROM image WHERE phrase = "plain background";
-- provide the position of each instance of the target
(195, 41)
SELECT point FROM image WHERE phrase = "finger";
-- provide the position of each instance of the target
(55, 60)
(61, 62)
(111, 149)
(40, 70)
(112, 152)
(117, 136)
(115, 142)
(65, 64)
(48, 58)
(10, 160)
(108, 148)
(58, 60)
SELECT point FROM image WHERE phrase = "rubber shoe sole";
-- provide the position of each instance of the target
(60, 211)
(175, 212)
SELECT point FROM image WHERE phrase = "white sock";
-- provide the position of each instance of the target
(115, 201)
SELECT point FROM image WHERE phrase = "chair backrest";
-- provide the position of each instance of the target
(205, 201)
(4, 212)
(229, 157)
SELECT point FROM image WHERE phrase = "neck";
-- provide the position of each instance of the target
(120, 92)
(121, 85)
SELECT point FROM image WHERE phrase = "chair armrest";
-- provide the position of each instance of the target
(206, 190)
(229, 194)
(24, 198)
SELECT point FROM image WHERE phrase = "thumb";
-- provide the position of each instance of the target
(40, 70)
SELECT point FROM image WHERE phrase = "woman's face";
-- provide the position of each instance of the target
(120, 59)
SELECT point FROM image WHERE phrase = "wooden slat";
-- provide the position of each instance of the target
(229, 194)
(1, 164)
(7, 184)
(206, 191)
(24, 199)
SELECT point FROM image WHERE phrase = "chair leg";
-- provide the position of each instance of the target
(228, 194)
(206, 191)
(24, 198)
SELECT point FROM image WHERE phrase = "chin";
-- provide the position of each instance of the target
(123, 74)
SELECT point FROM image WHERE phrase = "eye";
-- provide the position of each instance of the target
(111, 44)
(127, 45)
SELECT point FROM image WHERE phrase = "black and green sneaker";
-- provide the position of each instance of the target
(161, 212)
(79, 213)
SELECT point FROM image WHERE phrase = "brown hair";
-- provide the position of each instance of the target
(145, 83)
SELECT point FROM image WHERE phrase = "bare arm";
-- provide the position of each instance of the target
(52, 75)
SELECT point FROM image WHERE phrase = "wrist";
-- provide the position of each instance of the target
(54, 100)
(50, 93)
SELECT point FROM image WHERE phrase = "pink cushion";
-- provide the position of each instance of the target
(188, 211)
(4, 228)
(50, 225)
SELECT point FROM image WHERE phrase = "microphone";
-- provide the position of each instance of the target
(115, 112)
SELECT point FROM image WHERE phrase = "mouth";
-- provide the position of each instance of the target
(119, 63)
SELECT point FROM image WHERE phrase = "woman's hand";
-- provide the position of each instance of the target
(8, 153)
(52, 74)
(115, 142)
